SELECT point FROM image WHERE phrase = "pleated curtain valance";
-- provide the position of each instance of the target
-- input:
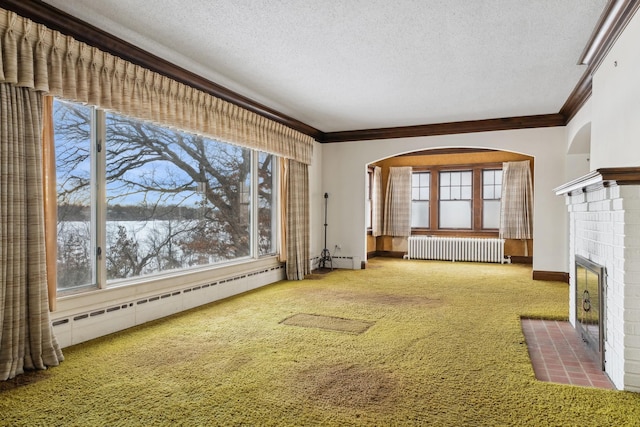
(45, 60)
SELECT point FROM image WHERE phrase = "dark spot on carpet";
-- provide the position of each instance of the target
(28, 378)
(349, 385)
(169, 352)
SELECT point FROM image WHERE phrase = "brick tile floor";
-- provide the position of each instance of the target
(559, 355)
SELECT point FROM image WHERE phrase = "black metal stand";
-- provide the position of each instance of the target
(325, 256)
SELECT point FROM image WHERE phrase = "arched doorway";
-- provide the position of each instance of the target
(444, 206)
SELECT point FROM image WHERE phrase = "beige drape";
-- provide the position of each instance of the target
(397, 207)
(376, 202)
(298, 230)
(36, 57)
(26, 335)
(516, 206)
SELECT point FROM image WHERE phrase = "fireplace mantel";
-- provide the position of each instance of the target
(600, 178)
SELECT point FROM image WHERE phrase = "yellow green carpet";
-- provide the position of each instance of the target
(444, 346)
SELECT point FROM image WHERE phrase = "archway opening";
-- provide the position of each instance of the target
(455, 192)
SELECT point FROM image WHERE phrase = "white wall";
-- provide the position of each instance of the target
(316, 202)
(615, 130)
(344, 165)
(579, 143)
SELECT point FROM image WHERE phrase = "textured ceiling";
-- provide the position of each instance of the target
(360, 64)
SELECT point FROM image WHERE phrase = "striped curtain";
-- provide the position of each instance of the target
(516, 207)
(397, 208)
(376, 202)
(298, 230)
(26, 335)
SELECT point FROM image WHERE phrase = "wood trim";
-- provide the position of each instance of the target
(391, 254)
(612, 22)
(554, 276)
(477, 202)
(508, 123)
(515, 259)
(56, 19)
(445, 151)
(580, 94)
(621, 176)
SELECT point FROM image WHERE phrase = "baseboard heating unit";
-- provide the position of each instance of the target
(456, 249)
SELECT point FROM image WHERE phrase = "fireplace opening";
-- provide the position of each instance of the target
(590, 306)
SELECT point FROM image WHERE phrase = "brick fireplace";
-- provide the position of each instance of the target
(604, 230)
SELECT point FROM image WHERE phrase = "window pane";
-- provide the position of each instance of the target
(488, 177)
(266, 203)
(420, 186)
(491, 214)
(445, 178)
(455, 193)
(72, 130)
(465, 193)
(420, 214)
(174, 199)
(487, 192)
(424, 193)
(455, 178)
(445, 193)
(455, 214)
(491, 184)
(466, 178)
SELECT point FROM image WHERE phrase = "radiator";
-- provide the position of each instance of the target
(456, 249)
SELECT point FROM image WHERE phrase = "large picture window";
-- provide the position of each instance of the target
(135, 198)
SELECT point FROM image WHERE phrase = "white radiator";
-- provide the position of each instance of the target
(456, 248)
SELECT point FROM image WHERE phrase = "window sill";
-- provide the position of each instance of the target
(94, 298)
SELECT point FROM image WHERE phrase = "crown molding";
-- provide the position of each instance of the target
(58, 20)
(508, 123)
(612, 22)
